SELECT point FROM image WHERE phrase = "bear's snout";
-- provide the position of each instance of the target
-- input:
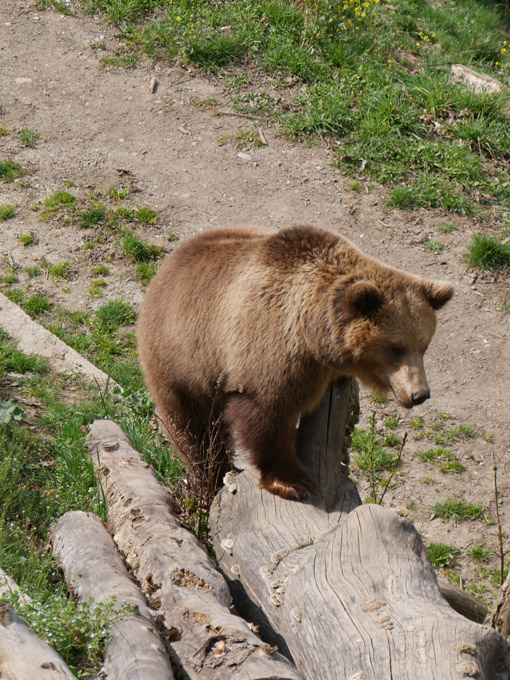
(420, 397)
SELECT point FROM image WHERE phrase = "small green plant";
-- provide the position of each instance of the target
(115, 314)
(62, 200)
(7, 212)
(60, 272)
(101, 270)
(10, 277)
(435, 246)
(145, 271)
(488, 252)
(453, 466)
(33, 272)
(458, 510)
(26, 240)
(137, 250)
(10, 170)
(119, 193)
(28, 138)
(92, 217)
(15, 295)
(448, 227)
(96, 288)
(4, 131)
(305, 544)
(480, 552)
(441, 554)
(146, 214)
(37, 305)
(417, 422)
(243, 139)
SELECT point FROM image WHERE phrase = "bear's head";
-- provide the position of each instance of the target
(383, 328)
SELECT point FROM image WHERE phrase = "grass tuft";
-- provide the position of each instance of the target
(488, 252)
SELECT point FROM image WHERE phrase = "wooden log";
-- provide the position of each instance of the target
(33, 338)
(345, 589)
(8, 585)
(24, 656)
(206, 640)
(500, 617)
(478, 82)
(94, 570)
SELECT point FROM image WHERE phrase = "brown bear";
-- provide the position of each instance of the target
(248, 327)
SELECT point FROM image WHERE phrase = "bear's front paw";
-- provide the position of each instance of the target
(295, 486)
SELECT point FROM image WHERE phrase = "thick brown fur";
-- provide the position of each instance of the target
(250, 326)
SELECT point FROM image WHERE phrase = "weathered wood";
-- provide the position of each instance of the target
(8, 585)
(345, 589)
(33, 338)
(94, 570)
(24, 656)
(192, 599)
(479, 82)
(500, 617)
(463, 603)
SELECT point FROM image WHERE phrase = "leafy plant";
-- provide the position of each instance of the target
(7, 212)
(458, 509)
(441, 554)
(28, 138)
(488, 252)
(10, 170)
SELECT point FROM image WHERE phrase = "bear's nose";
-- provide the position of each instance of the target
(420, 397)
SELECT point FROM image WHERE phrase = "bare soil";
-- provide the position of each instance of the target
(101, 128)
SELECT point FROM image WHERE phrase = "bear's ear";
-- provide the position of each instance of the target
(357, 300)
(438, 293)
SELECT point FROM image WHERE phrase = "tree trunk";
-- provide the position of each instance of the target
(500, 617)
(346, 590)
(23, 656)
(94, 570)
(192, 599)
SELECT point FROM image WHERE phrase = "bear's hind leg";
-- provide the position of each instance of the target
(270, 439)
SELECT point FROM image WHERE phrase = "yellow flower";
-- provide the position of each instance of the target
(178, 19)
(504, 50)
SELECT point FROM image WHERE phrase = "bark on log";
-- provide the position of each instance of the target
(94, 570)
(346, 590)
(192, 599)
(24, 656)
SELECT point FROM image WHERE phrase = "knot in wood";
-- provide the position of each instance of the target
(230, 481)
(467, 669)
(466, 648)
(228, 545)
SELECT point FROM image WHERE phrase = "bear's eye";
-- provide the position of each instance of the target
(398, 352)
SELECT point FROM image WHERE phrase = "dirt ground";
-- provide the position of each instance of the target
(101, 128)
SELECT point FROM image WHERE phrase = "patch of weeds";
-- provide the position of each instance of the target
(96, 288)
(92, 217)
(355, 186)
(145, 271)
(15, 295)
(121, 61)
(441, 554)
(4, 131)
(391, 422)
(428, 480)
(435, 246)
(432, 455)
(26, 240)
(207, 103)
(458, 509)
(137, 250)
(488, 252)
(119, 193)
(33, 272)
(145, 214)
(37, 305)
(10, 170)
(453, 466)
(172, 238)
(115, 314)
(480, 552)
(60, 272)
(392, 440)
(7, 212)
(10, 278)
(60, 201)
(243, 139)
(100, 270)
(448, 227)
(28, 138)
(417, 422)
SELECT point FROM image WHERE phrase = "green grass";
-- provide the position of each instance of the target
(26, 239)
(137, 250)
(37, 305)
(10, 170)
(388, 104)
(7, 212)
(480, 552)
(60, 272)
(488, 252)
(45, 470)
(90, 218)
(28, 137)
(441, 554)
(458, 510)
(58, 202)
(115, 314)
